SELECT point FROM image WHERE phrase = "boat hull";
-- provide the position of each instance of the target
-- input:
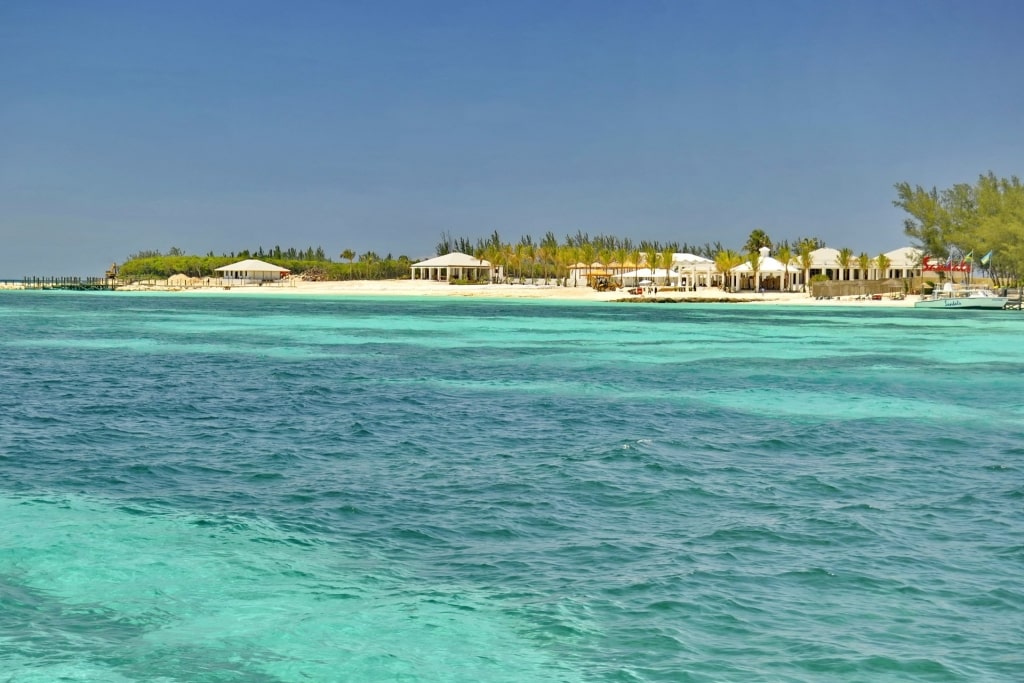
(994, 303)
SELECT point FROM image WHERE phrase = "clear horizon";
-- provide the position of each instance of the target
(380, 126)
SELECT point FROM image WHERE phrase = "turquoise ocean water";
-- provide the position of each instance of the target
(271, 489)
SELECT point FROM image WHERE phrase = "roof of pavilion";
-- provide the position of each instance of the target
(455, 259)
(766, 264)
(689, 259)
(904, 257)
(254, 266)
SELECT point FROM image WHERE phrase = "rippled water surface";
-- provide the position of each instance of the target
(236, 488)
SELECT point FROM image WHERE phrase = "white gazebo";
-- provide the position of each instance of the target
(251, 271)
(455, 266)
(697, 269)
(767, 266)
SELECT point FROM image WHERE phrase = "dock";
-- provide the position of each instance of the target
(78, 284)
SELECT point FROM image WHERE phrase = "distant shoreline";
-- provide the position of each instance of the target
(420, 288)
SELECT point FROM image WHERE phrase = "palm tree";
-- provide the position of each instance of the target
(498, 256)
(844, 260)
(785, 255)
(563, 256)
(508, 258)
(587, 254)
(864, 261)
(369, 258)
(806, 247)
(654, 261)
(611, 261)
(547, 252)
(666, 260)
(725, 262)
(758, 238)
(484, 252)
(531, 251)
(348, 255)
(754, 258)
(634, 256)
(524, 255)
(882, 262)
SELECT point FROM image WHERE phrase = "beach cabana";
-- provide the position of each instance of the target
(455, 266)
(251, 271)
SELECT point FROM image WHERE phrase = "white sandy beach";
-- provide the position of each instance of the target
(503, 291)
(506, 291)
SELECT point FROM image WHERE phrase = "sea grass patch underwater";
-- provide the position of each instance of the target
(259, 489)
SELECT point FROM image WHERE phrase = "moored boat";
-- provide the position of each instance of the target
(967, 297)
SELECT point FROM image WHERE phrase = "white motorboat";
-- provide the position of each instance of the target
(968, 297)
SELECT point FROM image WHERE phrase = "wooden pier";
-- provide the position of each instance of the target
(79, 284)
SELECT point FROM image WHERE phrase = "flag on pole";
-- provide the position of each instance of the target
(986, 258)
(970, 257)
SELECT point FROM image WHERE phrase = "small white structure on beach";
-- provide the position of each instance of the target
(697, 270)
(770, 273)
(455, 266)
(251, 271)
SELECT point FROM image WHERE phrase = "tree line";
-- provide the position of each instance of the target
(981, 222)
(527, 258)
(549, 258)
(311, 262)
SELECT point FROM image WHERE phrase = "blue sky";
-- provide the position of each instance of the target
(378, 126)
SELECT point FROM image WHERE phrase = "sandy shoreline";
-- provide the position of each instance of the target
(400, 288)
